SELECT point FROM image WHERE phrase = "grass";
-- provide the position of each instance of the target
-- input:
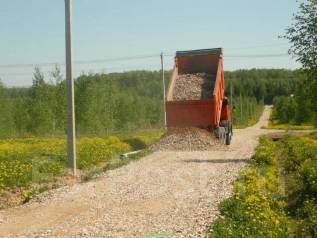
(273, 124)
(313, 135)
(29, 166)
(276, 195)
(142, 138)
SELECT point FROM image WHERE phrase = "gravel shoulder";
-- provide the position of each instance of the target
(171, 193)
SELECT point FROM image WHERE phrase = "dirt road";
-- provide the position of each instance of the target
(170, 193)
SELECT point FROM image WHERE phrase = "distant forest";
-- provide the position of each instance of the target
(106, 103)
(264, 84)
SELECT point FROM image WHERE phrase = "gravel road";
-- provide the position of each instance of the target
(170, 193)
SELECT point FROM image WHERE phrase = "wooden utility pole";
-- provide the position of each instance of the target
(71, 133)
(164, 93)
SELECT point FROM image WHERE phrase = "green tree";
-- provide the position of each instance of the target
(41, 106)
(59, 103)
(304, 104)
(302, 35)
(284, 109)
(6, 118)
(21, 114)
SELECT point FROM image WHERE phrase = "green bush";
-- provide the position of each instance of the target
(265, 154)
(259, 206)
(256, 208)
(300, 164)
(295, 151)
(307, 219)
(250, 217)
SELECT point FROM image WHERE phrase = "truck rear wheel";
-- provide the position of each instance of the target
(222, 135)
(228, 131)
(228, 138)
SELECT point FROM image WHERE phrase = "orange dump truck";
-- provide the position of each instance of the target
(212, 113)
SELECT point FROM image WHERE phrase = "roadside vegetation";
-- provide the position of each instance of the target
(298, 110)
(300, 107)
(276, 195)
(32, 165)
(273, 124)
(292, 113)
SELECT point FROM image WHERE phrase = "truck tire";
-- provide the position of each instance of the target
(228, 138)
(228, 131)
(222, 135)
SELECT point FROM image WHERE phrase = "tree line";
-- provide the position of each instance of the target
(263, 84)
(106, 103)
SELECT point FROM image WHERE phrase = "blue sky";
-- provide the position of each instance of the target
(32, 32)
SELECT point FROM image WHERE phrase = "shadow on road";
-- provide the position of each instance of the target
(217, 161)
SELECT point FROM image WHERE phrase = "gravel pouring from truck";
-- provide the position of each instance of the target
(196, 97)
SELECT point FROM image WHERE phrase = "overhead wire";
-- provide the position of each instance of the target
(89, 70)
(94, 61)
(126, 58)
(80, 61)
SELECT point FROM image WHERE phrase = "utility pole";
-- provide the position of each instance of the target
(231, 101)
(247, 108)
(71, 136)
(164, 94)
(241, 112)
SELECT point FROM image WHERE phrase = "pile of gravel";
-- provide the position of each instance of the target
(187, 139)
(193, 86)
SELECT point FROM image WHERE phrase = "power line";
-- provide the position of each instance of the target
(256, 46)
(105, 69)
(117, 59)
(229, 57)
(122, 68)
(258, 56)
(127, 58)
